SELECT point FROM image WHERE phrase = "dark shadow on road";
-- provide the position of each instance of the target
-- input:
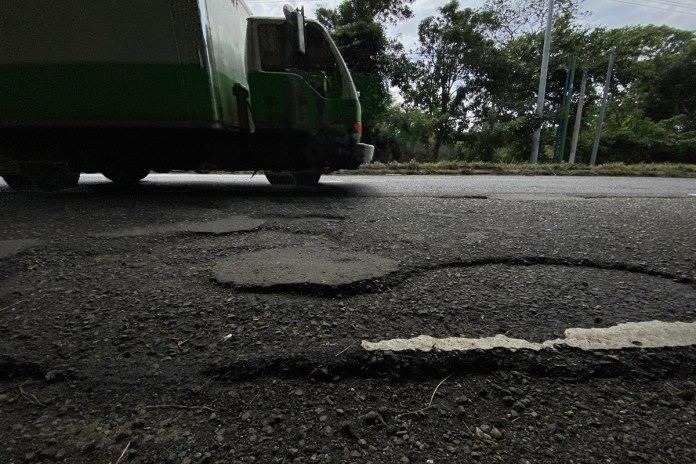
(207, 189)
(236, 190)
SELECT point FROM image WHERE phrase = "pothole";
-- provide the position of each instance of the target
(219, 227)
(530, 302)
(13, 368)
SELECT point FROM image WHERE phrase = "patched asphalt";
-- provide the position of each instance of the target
(285, 268)
(9, 248)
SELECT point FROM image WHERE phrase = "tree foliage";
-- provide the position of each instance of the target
(516, 18)
(470, 86)
(453, 48)
(359, 29)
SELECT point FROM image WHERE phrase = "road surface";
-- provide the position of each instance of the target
(373, 319)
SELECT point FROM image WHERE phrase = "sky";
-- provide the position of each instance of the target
(608, 13)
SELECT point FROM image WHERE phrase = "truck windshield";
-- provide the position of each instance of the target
(279, 53)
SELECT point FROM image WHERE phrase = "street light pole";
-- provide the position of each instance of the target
(600, 120)
(578, 118)
(542, 84)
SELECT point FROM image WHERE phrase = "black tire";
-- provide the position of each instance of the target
(279, 178)
(19, 182)
(47, 179)
(55, 179)
(298, 178)
(125, 175)
(307, 178)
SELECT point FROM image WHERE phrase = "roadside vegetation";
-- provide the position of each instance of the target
(525, 169)
(467, 90)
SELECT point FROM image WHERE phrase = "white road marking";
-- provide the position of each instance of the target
(651, 334)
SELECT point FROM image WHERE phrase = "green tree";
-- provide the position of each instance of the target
(669, 88)
(651, 115)
(449, 72)
(410, 131)
(359, 30)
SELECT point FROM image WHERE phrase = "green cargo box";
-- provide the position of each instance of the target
(121, 62)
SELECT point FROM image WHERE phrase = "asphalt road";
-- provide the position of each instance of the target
(128, 297)
(548, 242)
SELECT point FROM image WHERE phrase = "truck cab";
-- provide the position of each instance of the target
(303, 99)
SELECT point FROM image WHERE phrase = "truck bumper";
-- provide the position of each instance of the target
(349, 157)
(363, 152)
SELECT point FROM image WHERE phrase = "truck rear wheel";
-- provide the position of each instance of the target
(44, 178)
(19, 182)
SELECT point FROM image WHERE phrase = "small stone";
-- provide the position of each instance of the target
(47, 453)
(495, 433)
(519, 406)
(371, 417)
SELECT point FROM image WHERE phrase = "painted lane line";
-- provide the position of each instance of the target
(651, 334)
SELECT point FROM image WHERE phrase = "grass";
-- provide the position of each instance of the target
(525, 169)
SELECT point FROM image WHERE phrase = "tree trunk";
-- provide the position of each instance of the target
(439, 137)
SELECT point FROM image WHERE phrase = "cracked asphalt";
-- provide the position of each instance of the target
(120, 339)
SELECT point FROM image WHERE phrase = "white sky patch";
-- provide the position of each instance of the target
(651, 334)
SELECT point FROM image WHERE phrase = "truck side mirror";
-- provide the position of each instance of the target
(296, 18)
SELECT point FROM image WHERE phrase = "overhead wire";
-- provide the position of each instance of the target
(671, 10)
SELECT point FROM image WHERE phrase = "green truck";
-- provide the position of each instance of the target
(126, 87)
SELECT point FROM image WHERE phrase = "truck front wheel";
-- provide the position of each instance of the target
(298, 178)
(307, 178)
(125, 175)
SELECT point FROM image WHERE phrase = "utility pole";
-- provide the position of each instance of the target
(578, 118)
(565, 115)
(542, 84)
(600, 120)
